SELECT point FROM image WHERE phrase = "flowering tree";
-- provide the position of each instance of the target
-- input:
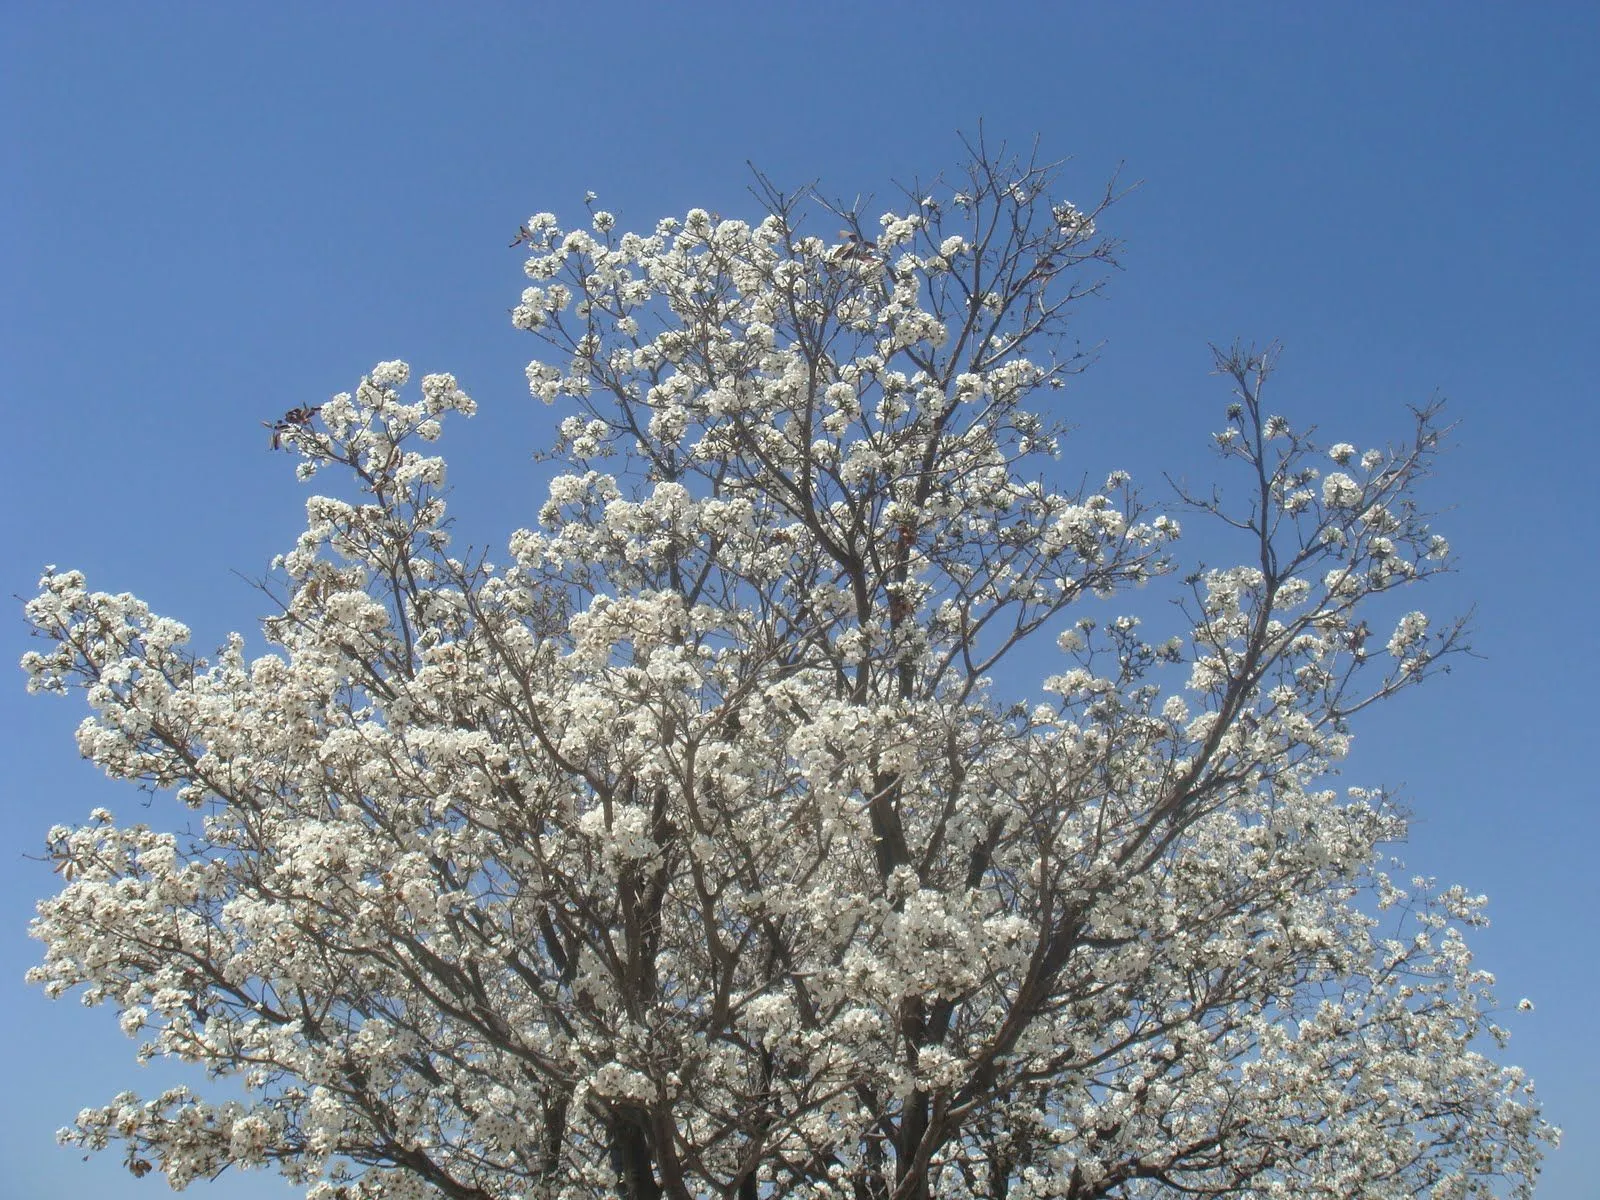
(693, 853)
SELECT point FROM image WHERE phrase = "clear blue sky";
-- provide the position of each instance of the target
(210, 215)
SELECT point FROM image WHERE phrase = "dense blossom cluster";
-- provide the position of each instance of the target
(692, 853)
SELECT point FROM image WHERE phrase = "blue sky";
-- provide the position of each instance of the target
(212, 214)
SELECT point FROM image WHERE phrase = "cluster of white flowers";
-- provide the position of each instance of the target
(690, 853)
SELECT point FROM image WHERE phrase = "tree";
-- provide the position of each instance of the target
(695, 853)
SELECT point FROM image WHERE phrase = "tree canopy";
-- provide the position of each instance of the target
(693, 851)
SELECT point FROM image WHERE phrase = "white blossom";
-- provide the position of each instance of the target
(694, 850)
